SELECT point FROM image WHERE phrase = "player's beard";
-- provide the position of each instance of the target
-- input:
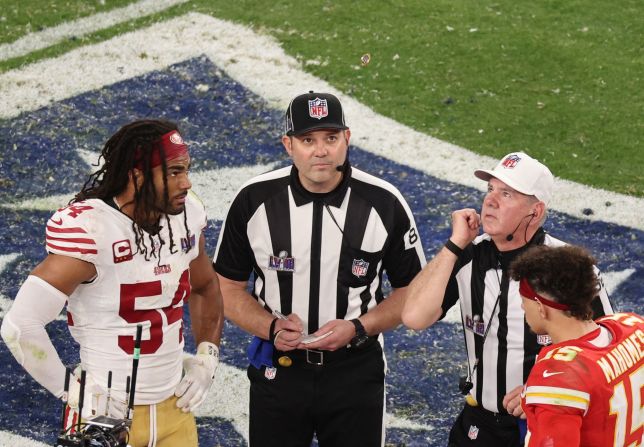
(169, 209)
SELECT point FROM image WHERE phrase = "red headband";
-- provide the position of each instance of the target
(527, 291)
(173, 147)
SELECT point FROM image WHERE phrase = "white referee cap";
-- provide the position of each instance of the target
(523, 173)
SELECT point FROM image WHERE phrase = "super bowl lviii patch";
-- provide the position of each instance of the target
(475, 324)
(281, 263)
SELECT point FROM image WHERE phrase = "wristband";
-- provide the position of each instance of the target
(451, 246)
(277, 335)
(271, 331)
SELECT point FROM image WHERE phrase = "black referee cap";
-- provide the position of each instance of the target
(313, 111)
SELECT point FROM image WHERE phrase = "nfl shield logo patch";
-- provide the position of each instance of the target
(359, 267)
(270, 372)
(473, 433)
(318, 108)
(511, 161)
(544, 340)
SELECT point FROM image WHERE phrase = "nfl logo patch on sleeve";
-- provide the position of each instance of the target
(359, 267)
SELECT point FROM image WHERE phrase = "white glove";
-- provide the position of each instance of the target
(198, 375)
(95, 400)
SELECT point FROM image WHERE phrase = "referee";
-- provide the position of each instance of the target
(316, 237)
(500, 347)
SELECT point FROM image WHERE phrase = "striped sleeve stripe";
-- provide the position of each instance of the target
(557, 396)
(77, 240)
(81, 250)
(69, 240)
(65, 230)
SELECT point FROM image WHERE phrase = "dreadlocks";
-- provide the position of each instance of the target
(132, 147)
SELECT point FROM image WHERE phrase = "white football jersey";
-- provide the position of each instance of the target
(127, 290)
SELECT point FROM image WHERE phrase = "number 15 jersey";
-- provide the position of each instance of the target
(579, 393)
(128, 290)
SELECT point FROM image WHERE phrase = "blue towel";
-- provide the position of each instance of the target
(260, 352)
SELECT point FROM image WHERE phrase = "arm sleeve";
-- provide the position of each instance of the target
(23, 330)
(405, 256)
(452, 293)
(233, 256)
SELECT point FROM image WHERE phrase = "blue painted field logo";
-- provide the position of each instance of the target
(318, 108)
(359, 267)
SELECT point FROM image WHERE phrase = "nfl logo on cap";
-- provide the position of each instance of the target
(522, 173)
(313, 111)
(318, 108)
(511, 161)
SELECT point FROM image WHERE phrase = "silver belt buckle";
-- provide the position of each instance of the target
(311, 362)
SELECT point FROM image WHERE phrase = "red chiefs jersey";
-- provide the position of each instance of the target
(129, 288)
(579, 394)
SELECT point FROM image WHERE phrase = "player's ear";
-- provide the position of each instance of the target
(543, 310)
(136, 175)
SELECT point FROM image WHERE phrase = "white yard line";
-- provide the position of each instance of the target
(77, 28)
(259, 63)
(10, 439)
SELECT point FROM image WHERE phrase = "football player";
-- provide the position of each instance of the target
(128, 250)
(587, 387)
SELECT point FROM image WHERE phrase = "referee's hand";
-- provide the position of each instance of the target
(288, 333)
(512, 402)
(465, 226)
(342, 333)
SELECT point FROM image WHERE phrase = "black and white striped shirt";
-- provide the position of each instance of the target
(489, 297)
(320, 256)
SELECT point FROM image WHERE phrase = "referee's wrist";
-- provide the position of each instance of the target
(271, 330)
(451, 246)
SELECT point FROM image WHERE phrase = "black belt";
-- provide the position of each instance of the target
(492, 417)
(313, 357)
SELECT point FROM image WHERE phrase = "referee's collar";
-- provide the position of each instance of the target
(505, 258)
(302, 196)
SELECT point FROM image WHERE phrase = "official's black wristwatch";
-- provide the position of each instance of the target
(361, 336)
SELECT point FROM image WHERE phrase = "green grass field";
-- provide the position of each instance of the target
(559, 80)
